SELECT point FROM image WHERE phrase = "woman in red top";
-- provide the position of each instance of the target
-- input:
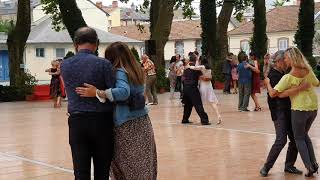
(254, 66)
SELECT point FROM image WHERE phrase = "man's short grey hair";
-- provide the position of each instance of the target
(85, 35)
(278, 56)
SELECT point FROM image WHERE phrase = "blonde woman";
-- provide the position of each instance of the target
(55, 84)
(304, 106)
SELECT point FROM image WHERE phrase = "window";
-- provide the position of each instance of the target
(245, 46)
(179, 47)
(283, 43)
(60, 52)
(110, 23)
(39, 52)
(199, 46)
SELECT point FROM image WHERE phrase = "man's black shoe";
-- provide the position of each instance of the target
(205, 123)
(264, 171)
(186, 122)
(292, 170)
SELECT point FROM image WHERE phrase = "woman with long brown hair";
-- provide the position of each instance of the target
(135, 155)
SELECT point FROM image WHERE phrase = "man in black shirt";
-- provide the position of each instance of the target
(280, 109)
(191, 94)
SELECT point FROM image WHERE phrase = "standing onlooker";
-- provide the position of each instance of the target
(90, 122)
(234, 73)
(55, 84)
(254, 66)
(135, 155)
(304, 105)
(245, 80)
(226, 70)
(179, 72)
(280, 109)
(266, 65)
(172, 76)
(150, 70)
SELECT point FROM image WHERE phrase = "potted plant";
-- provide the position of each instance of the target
(162, 81)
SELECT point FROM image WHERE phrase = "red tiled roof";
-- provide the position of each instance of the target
(278, 20)
(189, 29)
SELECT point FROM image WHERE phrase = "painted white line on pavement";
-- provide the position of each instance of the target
(37, 162)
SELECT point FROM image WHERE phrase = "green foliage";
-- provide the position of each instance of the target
(136, 54)
(162, 80)
(305, 34)
(217, 71)
(24, 86)
(69, 54)
(260, 39)
(26, 83)
(6, 26)
(278, 3)
(312, 61)
(52, 7)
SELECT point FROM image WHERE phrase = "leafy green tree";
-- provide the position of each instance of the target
(135, 53)
(17, 37)
(209, 30)
(305, 34)
(64, 12)
(260, 39)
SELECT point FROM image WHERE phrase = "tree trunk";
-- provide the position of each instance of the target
(161, 15)
(222, 29)
(71, 16)
(305, 34)
(17, 38)
(208, 24)
(260, 39)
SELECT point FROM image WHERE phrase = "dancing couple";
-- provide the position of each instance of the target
(108, 120)
(194, 96)
(293, 116)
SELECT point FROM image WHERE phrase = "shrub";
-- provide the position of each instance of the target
(136, 54)
(162, 80)
(24, 87)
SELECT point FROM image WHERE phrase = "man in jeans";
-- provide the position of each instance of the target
(245, 78)
(226, 70)
(280, 109)
(150, 70)
(90, 122)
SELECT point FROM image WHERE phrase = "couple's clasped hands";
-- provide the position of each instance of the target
(87, 90)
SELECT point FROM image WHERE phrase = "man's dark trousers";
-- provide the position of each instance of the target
(192, 98)
(91, 136)
(227, 83)
(282, 122)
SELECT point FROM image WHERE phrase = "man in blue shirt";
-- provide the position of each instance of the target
(245, 81)
(90, 122)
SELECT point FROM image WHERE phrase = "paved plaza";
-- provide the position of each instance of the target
(34, 142)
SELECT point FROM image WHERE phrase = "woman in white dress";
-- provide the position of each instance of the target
(206, 89)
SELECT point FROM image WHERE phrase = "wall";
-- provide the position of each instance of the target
(37, 65)
(115, 18)
(234, 41)
(93, 16)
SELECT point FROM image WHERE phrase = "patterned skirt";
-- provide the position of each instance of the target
(135, 155)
